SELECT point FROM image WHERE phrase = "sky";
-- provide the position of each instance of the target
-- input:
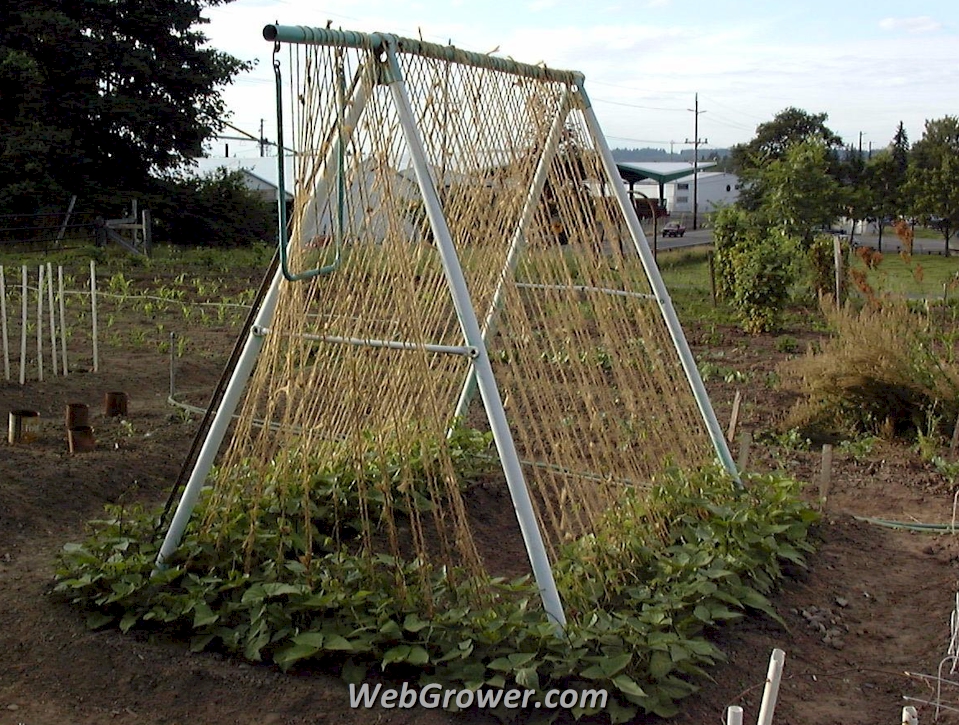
(868, 65)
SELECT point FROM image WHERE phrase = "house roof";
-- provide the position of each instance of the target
(661, 172)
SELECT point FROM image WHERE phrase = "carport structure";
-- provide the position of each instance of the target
(662, 172)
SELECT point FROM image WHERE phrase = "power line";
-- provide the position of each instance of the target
(635, 105)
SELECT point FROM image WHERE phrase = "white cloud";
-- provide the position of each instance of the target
(918, 24)
(538, 6)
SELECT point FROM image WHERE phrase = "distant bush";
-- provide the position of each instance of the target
(217, 210)
(883, 372)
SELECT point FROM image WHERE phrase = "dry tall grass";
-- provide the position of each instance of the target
(885, 370)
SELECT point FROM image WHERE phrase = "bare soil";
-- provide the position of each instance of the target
(873, 603)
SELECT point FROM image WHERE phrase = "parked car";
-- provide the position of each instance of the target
(673, 229)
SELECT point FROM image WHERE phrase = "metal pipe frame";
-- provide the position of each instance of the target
(662, 295)
(586, 288)
(332, 163)
(522, 503)
(377, 42)
(221, 421)
(464, 351)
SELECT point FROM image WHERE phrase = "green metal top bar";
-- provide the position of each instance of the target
(373, 41)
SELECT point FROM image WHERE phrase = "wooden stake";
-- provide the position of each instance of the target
(734, 418)
(63, 319)
(745, 442)
(825, 476)
(53, 321)
(712, 276)
(3, 323)
(837, 259)
(40, 324)
(23, 328)
(93, 310)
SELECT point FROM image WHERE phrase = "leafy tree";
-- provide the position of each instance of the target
(216, 210)
(97, 96)
(856, 200)
(772, 140)
(799, 194)
(933, 176)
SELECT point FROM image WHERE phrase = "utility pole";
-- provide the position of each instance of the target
(695, 142)
(262, 140)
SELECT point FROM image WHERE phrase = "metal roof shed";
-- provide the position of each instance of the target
(662, 172)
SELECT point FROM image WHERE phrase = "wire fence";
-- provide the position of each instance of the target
(46, 232)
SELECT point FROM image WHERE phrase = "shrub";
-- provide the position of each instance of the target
(883, 370)
(642, 592)
(216, 210)
(755, 268)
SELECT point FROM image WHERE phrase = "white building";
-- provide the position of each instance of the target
(715, 189)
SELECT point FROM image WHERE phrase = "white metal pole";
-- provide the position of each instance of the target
(63, 319)
(659, 289)
(3, 325)
(40, 324)
(734, 715)
(469, 324)
(221, 421)
(93, 311)
(517, 244)
(53, 320)
(910, 716)
(23, 327)
(771, 691)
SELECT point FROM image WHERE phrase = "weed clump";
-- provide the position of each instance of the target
(885, 370)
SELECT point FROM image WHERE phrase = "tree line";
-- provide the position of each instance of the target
(799, 176)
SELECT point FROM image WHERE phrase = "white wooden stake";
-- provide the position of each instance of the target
(63, 319)
(3, 325)
(93, 310)
(53, 320)
(40, 324)
(734, 418)
(910, 716)
(23, 328)
(771, 691)
(825, 475)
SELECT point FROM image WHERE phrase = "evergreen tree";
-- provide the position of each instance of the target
(97, 95)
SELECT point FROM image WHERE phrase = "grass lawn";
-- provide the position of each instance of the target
(920, 276)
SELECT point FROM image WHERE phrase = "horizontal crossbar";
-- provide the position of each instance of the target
(464, 350)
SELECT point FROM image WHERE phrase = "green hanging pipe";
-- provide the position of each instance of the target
(281, 181)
